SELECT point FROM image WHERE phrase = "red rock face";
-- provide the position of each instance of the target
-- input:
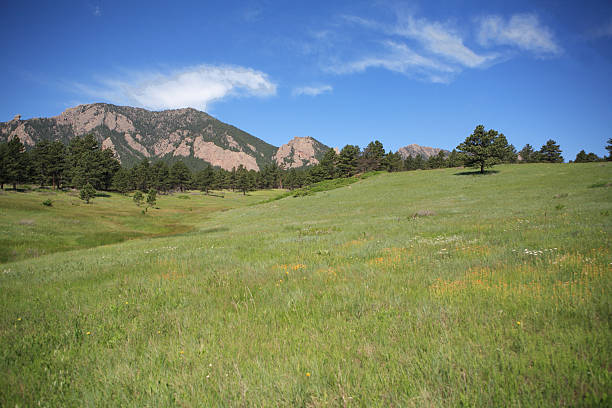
(299, 152)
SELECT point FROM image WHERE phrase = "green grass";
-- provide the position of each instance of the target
(424, 288)
(29, 228)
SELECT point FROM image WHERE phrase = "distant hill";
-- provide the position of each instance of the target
(187, 134)
(414, 150)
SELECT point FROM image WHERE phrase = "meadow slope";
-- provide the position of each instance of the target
(426, 288)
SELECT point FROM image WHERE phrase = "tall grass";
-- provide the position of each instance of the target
(493, 297)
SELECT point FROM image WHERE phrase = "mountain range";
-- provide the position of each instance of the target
(186, 134)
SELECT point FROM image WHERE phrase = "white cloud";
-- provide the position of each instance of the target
(399, 58)
(441, 40)
(418, 47)
(312, 90)
(97, 11)
(521, 30)
(194, 87)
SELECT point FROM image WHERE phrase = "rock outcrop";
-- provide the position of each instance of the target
(300, 152)
(414, 150)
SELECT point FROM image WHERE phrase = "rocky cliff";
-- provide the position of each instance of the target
(300, 152)
(414, 150)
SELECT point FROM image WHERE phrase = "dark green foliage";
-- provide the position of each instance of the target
(528, 155)
(180, 176)
(89, 163)
(243, 181)
(551, 152)
(151, 197)
(437, 162)
(392, 162)
(138, 198)
(47, 203)
(205, 179)
(609, 149)
(372, 157)
(15, 162)
(122, 181)
(455, 159)
(583, 157)
(328, 164)
(348, 161)
(484, 148)
(87, 193)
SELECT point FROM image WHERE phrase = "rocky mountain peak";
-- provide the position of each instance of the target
(299, 152)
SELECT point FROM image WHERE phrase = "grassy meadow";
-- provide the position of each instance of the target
(29, 229)
(424, 288)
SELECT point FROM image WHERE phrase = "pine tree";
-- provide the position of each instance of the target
(551, 152)
(87, 193)
(138, 198)
(527, 154)
(372, 156)
(609, 149)
(122, 181)
(328, 164)
(151, 198)
(180, 175)
(16, 164)
(205, 178)
(347, 160)
(484, 148)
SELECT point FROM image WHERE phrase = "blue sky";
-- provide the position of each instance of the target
(342, 72)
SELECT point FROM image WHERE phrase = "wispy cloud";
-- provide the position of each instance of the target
(435, 51)
(312, 90)
(418, 47)
(523, 31)
(398, 57)
(97, 10)
(194, 87)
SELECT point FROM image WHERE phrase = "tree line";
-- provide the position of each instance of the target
(84, 162)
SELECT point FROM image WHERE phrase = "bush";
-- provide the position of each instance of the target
(47, 203)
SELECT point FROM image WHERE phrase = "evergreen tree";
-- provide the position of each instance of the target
(393, 162)
(141, 175)
(160, 176)
(39, 156)
(88, 163)
(455, 159)
(122, 181)
(138, 198)
(87, 193)
(151, 198)
(437, 161)
(56, 163)
(484, 148)
(528, 155)
(15, 162)
(609, 149)
(348, 161)
(551, 152)
(180, 175)
(372, 157)
(3, 164)
(328, 164)
(242, 180)
(204, 179)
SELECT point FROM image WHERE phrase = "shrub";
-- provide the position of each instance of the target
(47, 203)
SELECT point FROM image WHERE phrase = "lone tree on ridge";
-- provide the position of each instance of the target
(484, 148)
